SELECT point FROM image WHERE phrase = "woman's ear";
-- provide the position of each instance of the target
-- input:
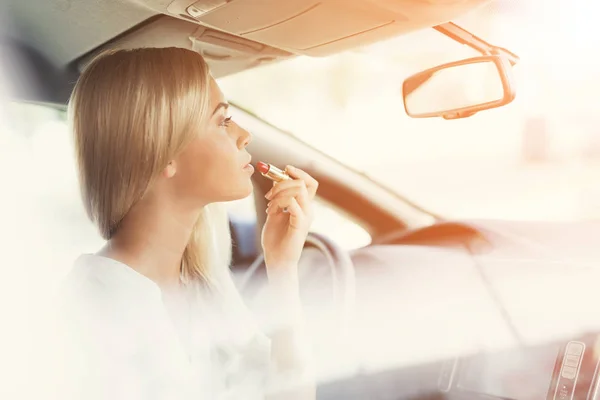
(170, 170)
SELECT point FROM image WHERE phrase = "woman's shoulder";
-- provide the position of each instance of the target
(95, 276)
(111, 333)
(83, 286)
(106, 302)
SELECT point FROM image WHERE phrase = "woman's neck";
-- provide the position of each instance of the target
(151, 239)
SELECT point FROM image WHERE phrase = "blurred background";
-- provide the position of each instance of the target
(535, 159)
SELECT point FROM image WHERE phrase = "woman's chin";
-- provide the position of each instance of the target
(243, 192)
(248, 192)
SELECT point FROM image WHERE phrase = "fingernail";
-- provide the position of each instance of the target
(269, 194)
(290, 168)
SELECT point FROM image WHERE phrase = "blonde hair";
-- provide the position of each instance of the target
(131, 112)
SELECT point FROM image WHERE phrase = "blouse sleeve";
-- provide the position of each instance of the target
(246, 357)
(241, 351)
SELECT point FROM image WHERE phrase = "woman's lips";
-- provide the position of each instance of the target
(249, 168)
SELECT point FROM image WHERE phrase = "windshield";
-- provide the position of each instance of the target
(536, 158)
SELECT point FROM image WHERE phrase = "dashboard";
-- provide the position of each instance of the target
(436, 322)
(430, 326)
(552, 372)
(555, 371)
(435, 319)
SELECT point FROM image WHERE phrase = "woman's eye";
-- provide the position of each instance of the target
(226, 122)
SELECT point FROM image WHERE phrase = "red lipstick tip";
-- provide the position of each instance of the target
(262, 167)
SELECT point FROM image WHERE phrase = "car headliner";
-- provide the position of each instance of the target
(65, 31)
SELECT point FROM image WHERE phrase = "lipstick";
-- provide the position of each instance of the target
(271, 172)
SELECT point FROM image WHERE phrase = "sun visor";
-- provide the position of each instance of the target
(225, 53)
(319, 28)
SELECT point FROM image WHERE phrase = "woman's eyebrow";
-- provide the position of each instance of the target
(221, 105)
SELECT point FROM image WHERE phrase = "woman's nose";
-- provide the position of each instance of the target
(244, 137)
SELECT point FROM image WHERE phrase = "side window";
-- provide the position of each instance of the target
(242, 217)
(336, 225)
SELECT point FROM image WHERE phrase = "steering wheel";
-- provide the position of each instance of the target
(342, 268)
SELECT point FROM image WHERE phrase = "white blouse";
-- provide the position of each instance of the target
(121, 342)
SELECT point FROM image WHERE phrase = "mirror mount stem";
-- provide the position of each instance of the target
(463, 36)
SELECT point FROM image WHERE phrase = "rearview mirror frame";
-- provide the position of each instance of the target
(505, 73)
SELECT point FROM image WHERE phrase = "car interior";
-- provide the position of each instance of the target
(378, 332)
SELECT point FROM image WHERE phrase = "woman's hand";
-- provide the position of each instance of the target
(285, 232)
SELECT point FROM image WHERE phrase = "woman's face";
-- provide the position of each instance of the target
(214, 167)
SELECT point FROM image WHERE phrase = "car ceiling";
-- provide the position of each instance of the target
(233, 35)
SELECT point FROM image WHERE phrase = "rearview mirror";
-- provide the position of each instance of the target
(459, 89)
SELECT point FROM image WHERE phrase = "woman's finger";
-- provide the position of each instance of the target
(282, 203)
(284, 185)
(299, 192)
(311, 183)
(296, 214)
(278, 204)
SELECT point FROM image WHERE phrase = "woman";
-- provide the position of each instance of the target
(154, 314)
